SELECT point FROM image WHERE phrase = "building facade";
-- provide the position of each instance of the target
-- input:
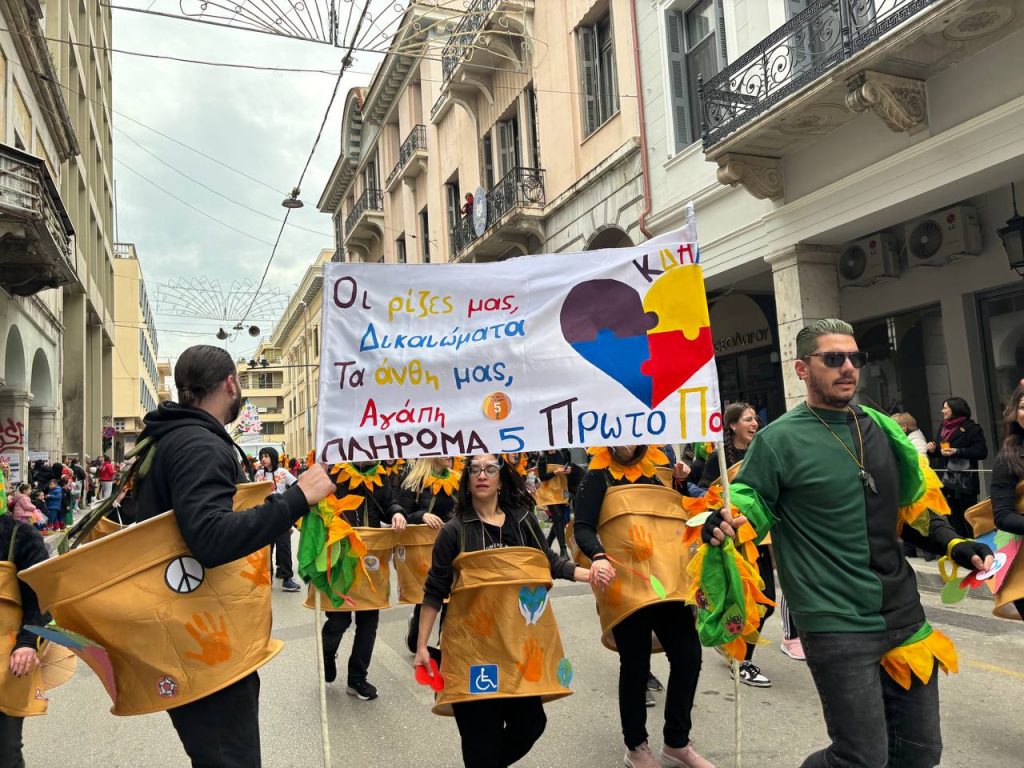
(297, 336)
(847, 159)
(37, 138)
(165, 375)
(263, 385)
(137, 378)
(83, 66)
(531, 108)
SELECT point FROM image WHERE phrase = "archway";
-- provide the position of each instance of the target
(42, 381)
(14, 360)
(42, 413)
(609, 237)
(14, 402)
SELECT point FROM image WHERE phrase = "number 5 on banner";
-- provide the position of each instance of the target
(509, 434)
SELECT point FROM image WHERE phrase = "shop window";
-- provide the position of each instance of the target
(907, 368)
(1002, 332)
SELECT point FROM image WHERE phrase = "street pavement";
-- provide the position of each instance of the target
(781, 725)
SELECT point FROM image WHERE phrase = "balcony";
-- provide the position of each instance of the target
(513, 211)
(35, 231)
(491, 37)
(412, 157)
(364, 223)
(825, 66)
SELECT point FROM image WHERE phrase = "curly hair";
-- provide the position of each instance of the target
(1012, 450)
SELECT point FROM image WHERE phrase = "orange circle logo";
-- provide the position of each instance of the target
(497, 406)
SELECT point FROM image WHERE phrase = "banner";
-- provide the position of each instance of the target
(609, 347)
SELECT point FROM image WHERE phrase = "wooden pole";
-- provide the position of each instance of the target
(325, 735)
(723, 471)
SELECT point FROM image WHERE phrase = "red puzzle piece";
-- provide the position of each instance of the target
(675, 359)
(436, 682)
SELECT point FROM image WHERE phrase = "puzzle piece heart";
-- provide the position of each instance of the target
(651, 346)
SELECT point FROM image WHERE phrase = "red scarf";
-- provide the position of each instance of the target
(949, 427)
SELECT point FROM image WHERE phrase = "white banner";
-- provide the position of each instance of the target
(607, 347)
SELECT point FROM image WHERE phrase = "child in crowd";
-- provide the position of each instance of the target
(42, 513)
(22, 508)
(54, 503)
(65, 504)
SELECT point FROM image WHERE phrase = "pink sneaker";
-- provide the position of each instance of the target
(684, 757)
(641, 757)
(794, 649)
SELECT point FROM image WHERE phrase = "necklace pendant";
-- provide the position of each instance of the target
(868, 480)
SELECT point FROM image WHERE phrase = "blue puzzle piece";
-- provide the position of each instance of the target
(621, 359)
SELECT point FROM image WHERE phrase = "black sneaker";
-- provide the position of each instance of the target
(649, 699)
(362, 690)
(653, 683)
(290, 585)
(331, 668)
(750, 674)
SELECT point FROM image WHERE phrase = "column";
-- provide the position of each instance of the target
(73, 380)
(93, 437)
(806, 289)
(43, 431)
(14, 422)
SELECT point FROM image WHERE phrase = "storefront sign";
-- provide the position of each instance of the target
(608, 347)
(738, 325)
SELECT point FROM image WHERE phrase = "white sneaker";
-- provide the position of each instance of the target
(641, 757)
(750, 674)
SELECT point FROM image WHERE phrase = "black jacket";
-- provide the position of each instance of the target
(466, 533)
(194, 473)
(1004, 497)
(425, 502)
(970, 444)
(29, 550)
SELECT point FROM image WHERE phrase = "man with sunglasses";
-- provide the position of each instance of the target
(837, 485)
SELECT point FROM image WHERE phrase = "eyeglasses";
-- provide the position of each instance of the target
(836, 359)
(490, 470)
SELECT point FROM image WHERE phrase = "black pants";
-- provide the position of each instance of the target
(1019, 605)
(559, 517)
(872, 721)
(362, 646)
(283, 556)
(958, 505)
(764, 568)
(676, 628)
(223, 729)
(497, 733)
(10, 742)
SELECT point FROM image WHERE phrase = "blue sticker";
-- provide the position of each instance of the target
(483, 678)
(564, 673)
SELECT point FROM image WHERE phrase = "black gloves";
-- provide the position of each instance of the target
(707, 531)
(966, 549)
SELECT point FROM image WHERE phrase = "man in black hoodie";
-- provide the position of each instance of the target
(194, 473)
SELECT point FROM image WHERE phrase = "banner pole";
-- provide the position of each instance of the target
(723, 474)
(325, 736)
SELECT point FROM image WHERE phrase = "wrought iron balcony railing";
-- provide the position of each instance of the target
(519, 188)
(370, 200)
(39, 257)
(416, 140)
(461, 41)
(810, 44)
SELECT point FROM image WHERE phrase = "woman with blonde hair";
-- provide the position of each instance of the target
(909, 425)
(429, 492)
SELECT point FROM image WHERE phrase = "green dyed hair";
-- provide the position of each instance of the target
(807, 338)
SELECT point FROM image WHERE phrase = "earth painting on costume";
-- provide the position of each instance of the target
(532, 602)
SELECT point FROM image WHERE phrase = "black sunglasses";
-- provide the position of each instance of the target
(836, 359)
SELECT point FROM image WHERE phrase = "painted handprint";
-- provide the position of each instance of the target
(641, 542)
(532, 603)
(257, 567)
(481, 620)
(213, 640)
(532, 666)
(421, 567)
(613, 594)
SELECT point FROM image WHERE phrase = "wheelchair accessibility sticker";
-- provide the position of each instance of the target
(483, 678)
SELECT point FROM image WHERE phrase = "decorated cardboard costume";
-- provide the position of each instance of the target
(412, 562)
(158, 628)
(1009, 586)
(372, 591)
(500, 637)
(19, 696)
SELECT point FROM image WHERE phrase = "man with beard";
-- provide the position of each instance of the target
(194, 472)
(837, 485)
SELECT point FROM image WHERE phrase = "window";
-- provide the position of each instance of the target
(316, 338)
(508, 145)
(339, 232)
(425, 235)
(696, 47)
(488, 150)
(1002, 338)
(531, 106)
(371, 176)
(453, 203)
(598, 79)
(400, 255)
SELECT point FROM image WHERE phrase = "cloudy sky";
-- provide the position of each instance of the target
(260, 123)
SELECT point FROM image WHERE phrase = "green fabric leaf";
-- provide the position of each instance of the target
(658, 587)
(312, 557)
(721, 606)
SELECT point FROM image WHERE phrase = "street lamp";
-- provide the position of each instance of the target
(1012, 236)
(292, 202)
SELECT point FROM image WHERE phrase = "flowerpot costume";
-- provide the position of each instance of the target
(173, 613)
(837, 489)
(21, 547)
(553, 493)
(1000, 522)
(624, 513)
(371, 519)
(501, 653)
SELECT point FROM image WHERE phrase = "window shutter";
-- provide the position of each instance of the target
(506, 147)
(677, 78)
(588, 76)
(723, 52)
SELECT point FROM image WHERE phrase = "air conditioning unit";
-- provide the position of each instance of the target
(869, 260)
(944, 236)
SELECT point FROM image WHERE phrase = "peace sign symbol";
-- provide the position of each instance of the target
(184, 575)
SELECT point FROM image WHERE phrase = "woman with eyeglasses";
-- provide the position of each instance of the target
(624, 515)
(954, 455)
(501, 653)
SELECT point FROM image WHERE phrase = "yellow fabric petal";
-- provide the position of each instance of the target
(916, 514)
(736, 648)
(919, 659)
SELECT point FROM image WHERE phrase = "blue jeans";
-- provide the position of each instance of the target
(872, 721)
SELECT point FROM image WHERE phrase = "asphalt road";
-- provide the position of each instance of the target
(781, 725)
